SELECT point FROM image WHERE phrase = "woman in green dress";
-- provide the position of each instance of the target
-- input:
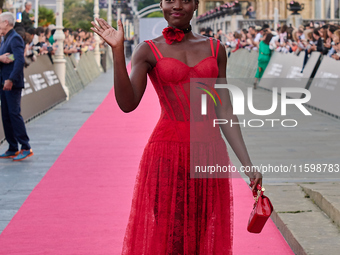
(264, 56)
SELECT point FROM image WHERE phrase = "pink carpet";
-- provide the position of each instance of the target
(82, 204)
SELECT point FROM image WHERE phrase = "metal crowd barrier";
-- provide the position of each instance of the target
(319, 74)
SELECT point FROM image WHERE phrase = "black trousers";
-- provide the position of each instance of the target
(13, 123)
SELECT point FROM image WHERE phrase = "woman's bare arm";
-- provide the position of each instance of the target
(128, 90)
(232, 133)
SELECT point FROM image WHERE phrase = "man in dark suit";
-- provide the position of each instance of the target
(12, 82)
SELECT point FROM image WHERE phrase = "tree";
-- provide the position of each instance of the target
(145, 3)
(46, 16)
(79, 14)
(155, 15)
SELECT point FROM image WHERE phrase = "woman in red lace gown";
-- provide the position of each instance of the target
(172, 213)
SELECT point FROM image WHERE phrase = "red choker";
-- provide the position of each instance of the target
(174, 34)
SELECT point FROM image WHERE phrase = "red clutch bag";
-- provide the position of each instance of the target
(261, 211)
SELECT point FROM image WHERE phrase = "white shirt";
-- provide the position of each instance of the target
(257, 37)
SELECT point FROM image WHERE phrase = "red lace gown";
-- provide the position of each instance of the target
(172, 213)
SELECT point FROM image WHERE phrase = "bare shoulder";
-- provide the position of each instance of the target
(142, 54)
(142, 50)
(204, 39)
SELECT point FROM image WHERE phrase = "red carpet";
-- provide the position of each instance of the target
(82, 204)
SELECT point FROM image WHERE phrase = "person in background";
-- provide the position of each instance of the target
(66, 32)
(26, 20)
(238, 44)
(38, 31)
(291, 43)
(209, 32)
(21, 31)
(202, 31)
(49, 36)
(274, 42)
(252, 31)
(31, 32)
(29, 55)
(264, 56)
(266, 27)
(40, 47)
(12, 82)
(336, 45)
(219, 34)
(250, 37)
(69, 45)
(244, 42)
(77, 43)
(318, 46)
(283, 37)
(258, 37)
(297, 41)
(250, 12)
(330, 33)
(331, 30)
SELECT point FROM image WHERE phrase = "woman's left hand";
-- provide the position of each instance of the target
(113, 37)
(256, 178)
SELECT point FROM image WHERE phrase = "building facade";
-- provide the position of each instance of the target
(313, 9)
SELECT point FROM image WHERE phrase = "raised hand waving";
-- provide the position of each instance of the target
(113, 37)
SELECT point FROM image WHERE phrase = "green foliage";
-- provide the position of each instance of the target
(155, 15)
(83, 24)
(144, 3)
(79, 14)
(46, 16)
(114, 24)
(66, 23)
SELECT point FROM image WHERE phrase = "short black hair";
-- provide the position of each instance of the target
(21, 32)
(332, 28)
(39, 30)
(265, 26)
(31, 31)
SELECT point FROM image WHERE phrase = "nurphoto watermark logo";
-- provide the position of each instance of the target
(238, 104)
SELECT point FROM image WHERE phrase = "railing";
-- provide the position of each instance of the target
(327, 21)
(258, 22)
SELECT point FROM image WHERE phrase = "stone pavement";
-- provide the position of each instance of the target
(49, 134)
(306, 204)
(307, 214)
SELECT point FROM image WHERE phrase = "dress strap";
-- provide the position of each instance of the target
(218, 45)
(154, 49)
(212, 46)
